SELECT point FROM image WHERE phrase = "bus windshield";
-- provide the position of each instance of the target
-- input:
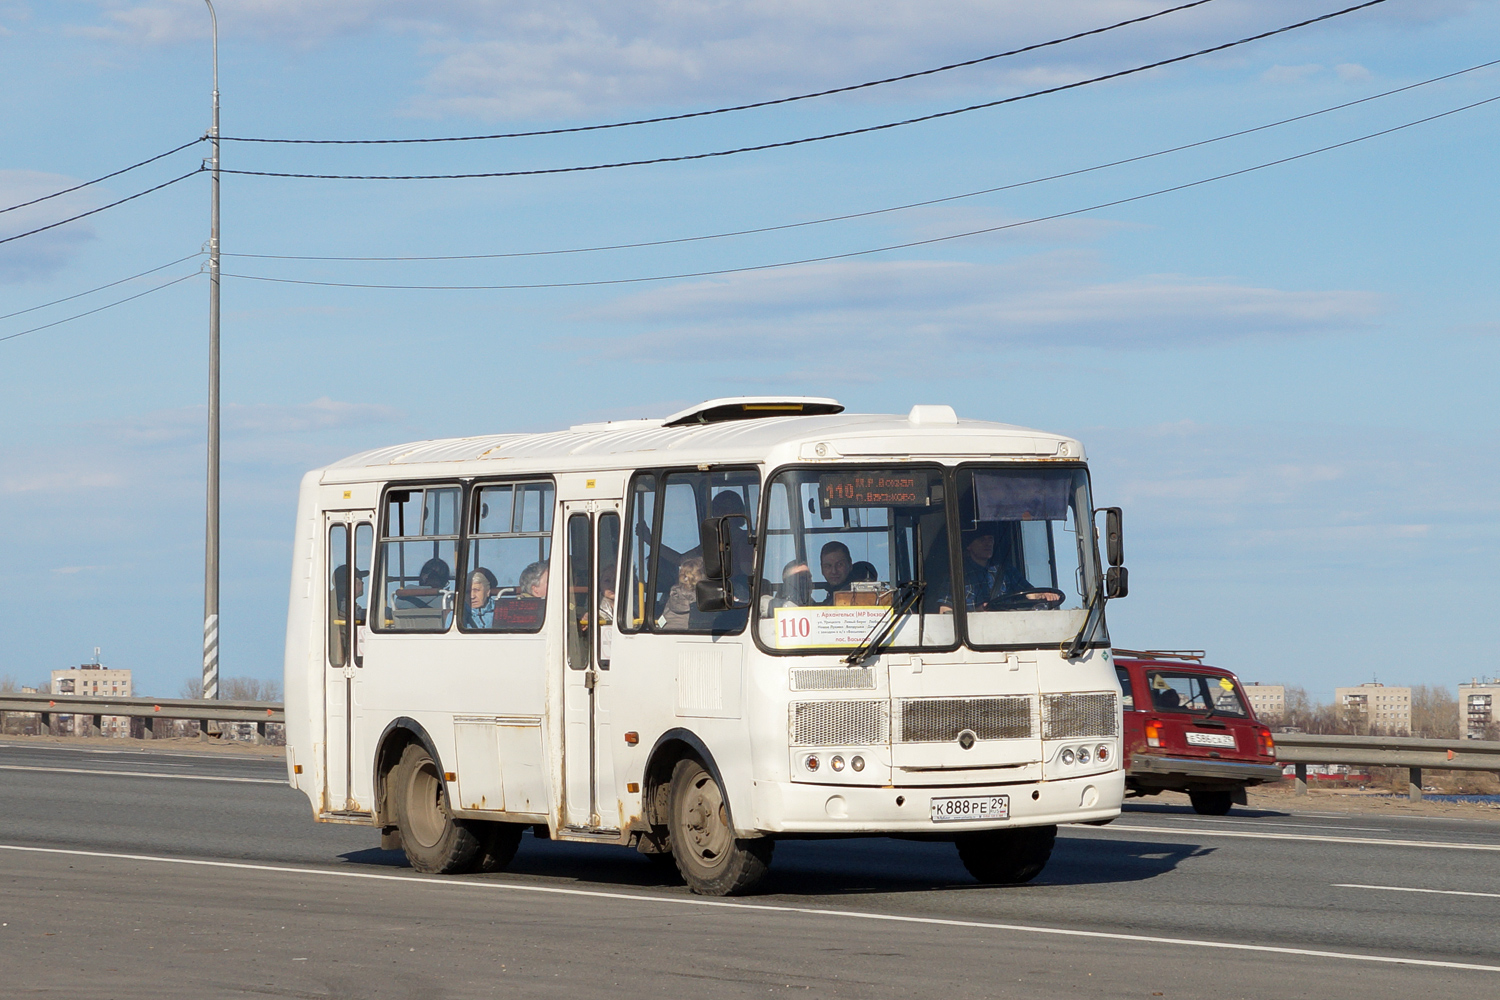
(841, 546)
(1027, 571)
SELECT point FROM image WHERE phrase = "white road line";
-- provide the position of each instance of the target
(141, 774)
(1370, 841)
(1402, 888)
(1300, 826)
(497, 886)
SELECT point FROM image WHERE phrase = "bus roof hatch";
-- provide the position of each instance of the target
(716, 411)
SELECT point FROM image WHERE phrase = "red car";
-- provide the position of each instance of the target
(1189, 728)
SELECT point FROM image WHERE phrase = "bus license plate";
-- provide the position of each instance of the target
(970, 807)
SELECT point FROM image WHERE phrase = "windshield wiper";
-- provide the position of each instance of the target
(907, 598)
(1090, 625)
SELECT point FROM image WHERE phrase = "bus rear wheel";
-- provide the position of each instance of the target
(710, 858)
(1006, 857)
(434, 842)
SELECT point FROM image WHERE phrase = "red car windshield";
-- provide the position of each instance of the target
(1194, 693)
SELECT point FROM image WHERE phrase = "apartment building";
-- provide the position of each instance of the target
(1479, 708)
(1373, 707)
(96, 681)
(1267, 701)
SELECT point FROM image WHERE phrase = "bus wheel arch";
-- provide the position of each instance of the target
(398, 734)
(672, 746)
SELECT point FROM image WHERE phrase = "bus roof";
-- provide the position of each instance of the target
(760, 433)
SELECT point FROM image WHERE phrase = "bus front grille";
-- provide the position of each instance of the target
(941, 720)
(1068, 716)
(838, 723)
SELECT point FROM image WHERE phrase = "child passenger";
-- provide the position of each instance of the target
(680, 600)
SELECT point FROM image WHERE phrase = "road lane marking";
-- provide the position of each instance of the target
(141, 774)
(1402, 888)
(731, 904)
(1375, 841)
(1302, 826)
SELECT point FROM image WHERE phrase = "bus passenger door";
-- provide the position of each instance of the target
(590, 801)
(350, 538)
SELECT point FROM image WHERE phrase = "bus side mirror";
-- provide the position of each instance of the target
(716, 540)
(1116, 581)
(1114, 545)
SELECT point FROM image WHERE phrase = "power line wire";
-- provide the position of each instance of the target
(101, 208)
(91, 291)
(738, 107)
(106, 177)
(118, 302)
(893, 208)
(881, 249)
(816, 138)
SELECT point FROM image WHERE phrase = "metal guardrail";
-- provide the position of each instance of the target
(1412, 753)
(201, 710)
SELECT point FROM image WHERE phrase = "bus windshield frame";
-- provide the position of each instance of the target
(883, 511)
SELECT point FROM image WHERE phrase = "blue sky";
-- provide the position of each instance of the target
(1285, 377)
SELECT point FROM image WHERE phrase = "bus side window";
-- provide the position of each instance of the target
(418, 553)
(506, 565)
(641, 518)
(579, 571)
(338, 595)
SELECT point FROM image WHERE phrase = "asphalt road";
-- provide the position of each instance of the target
(149, 874)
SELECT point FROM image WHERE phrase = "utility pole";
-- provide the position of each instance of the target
(211, 528)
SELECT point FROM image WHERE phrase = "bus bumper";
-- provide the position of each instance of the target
(798, 807)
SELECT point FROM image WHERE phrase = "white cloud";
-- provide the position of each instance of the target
(889, 312)
(42, 255)
(1352, 72)
(529, 58)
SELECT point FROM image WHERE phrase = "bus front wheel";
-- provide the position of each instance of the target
(712, 861)
(1006, 857)
(435, 842)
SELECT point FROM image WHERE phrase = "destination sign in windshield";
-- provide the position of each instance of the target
(875, 489)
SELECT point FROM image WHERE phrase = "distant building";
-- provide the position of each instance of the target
(96, 681)
(1268, 701)
(1373, 707)
(1479, 708)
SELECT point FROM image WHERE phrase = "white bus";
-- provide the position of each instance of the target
(757, 618)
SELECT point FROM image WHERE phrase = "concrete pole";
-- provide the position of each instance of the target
(1414, 784)
(211, 529)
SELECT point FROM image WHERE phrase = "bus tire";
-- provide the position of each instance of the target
(497, 845)
(1211, 803)
(1006, 857)
(435, 843)
(711, 860)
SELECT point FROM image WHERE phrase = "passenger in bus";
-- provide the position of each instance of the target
(683, 597)
(863, 572)
(836, 564)
(796, 585)
(481, 610)
(341, 593)
(432, 580)
(533, 581)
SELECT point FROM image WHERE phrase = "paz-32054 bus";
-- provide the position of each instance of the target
(758, 618)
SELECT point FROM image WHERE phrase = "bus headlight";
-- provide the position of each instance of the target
(858, 763)
(1084, 756)
(812, 762)
(1067, 756)
(1101, 753)
(837, 763)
